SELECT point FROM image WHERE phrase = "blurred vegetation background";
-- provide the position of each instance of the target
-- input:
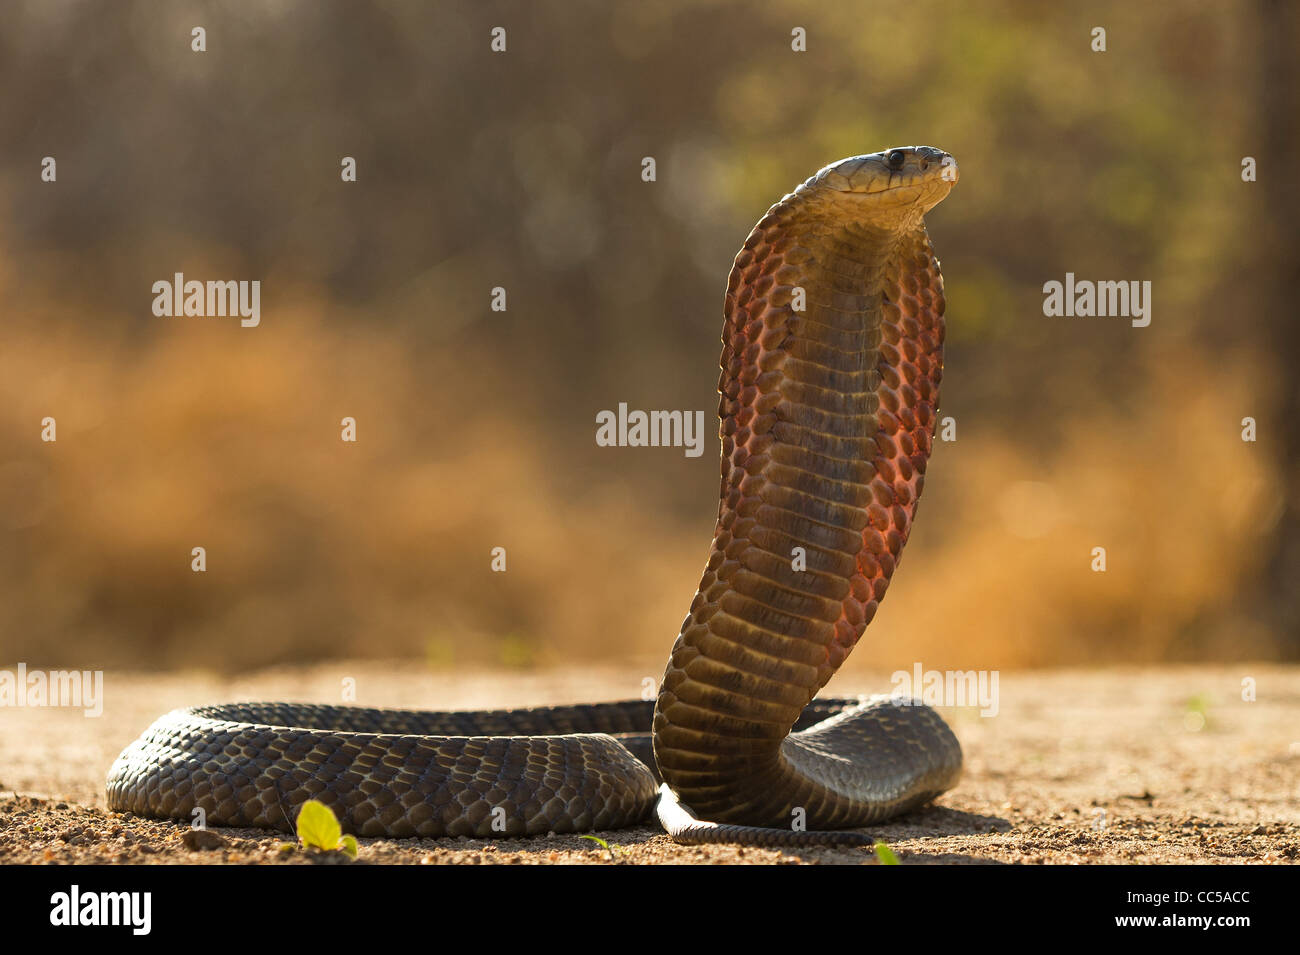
(476, 428)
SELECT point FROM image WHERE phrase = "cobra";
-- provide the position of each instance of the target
(831, 361)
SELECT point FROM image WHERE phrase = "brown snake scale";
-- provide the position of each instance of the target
(831, 361)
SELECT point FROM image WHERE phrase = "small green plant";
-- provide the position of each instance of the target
(603, 844)
(885, 854)
(318, 828)
(1197, 714)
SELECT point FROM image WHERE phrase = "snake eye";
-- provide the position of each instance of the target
(896, 158)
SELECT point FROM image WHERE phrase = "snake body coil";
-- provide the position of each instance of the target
(832, 355)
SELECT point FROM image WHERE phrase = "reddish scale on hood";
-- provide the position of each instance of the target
(910, 368)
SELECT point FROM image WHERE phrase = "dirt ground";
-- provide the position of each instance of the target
(1157, 765)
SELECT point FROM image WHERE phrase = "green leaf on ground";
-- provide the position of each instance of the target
(317, 826)
(885, 854)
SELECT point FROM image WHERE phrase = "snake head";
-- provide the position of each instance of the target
(909, 179)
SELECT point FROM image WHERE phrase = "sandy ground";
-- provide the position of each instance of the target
(1118, 766)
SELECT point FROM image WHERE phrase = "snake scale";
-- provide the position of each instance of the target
(831, 360)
